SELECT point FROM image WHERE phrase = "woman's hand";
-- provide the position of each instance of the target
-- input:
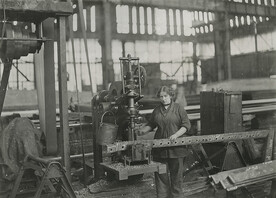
(173, 137)
(178, 134)
(142, 130)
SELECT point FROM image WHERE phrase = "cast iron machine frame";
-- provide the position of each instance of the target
(121, 100)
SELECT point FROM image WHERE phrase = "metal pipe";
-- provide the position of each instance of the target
(77, 156)
(122, 75)
(82, 23)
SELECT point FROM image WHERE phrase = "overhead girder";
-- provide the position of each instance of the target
(231, 7)
(238, 32)
(216, 6)
(235, 32)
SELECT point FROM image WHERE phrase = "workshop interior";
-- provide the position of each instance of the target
(79, 77)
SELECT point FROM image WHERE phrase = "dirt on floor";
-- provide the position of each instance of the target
(144, 187)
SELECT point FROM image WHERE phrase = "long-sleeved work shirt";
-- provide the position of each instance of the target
(169, 121)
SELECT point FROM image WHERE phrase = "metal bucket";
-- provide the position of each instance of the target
(107, 132)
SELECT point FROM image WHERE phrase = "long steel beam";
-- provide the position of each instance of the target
(120, 146)
(203, 5)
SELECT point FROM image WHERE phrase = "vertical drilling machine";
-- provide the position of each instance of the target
(115, 116)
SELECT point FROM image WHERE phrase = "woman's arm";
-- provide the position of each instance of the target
(179, 133)
(143, 130)
(185, 124)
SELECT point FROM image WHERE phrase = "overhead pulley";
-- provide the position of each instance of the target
(18, 41)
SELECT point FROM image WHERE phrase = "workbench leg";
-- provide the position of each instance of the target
(68, 187)
(40, 187)
(17, 182)
(273, 189)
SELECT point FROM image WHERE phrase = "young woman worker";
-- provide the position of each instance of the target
(172, 122)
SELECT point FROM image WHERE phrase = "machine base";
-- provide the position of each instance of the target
(123, 172)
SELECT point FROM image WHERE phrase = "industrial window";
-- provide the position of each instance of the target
(75, 22)
(187, 21)
(149, 17)
(134, 20)
(142, 20)
(160, 21)
(92, 19)
(85, 18)
(171, 21)
(178, 22)
(122, 19)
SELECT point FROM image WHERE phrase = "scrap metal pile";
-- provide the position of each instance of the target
(255, 179)
(234, 179)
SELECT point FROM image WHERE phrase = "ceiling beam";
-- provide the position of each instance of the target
(235, 8)
(238, 32)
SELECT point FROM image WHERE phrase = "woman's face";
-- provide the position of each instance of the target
(165, 98)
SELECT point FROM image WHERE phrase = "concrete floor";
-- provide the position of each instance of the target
(139, 189)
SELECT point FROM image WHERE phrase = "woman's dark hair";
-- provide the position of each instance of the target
(166, 89)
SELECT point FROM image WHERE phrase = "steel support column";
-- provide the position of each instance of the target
(130, 19)
(146, 20)
(153, 20)
(181, 23)
(218, 54)
(97, 149)
(63, 97)
(174, 22)
(227, 48)
(222, 46)
(45, 79)
(195, 62)
(255, 70)
(138, 20)
(108, 72)
(168, 22)
(88, 18)
(4, 82)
